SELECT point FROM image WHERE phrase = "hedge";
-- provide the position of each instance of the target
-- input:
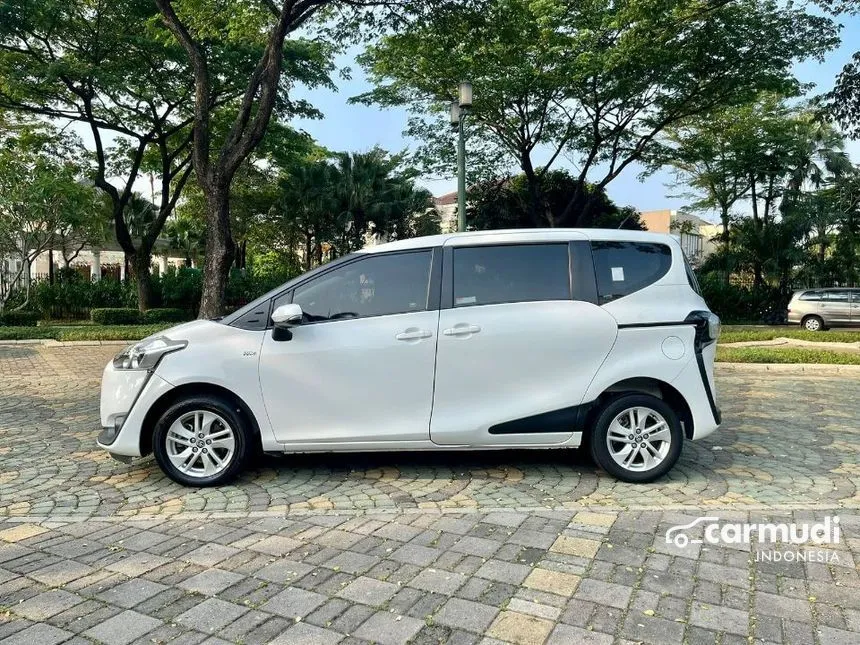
(115, 316)
(165, 315)
(18, 319)
(80, 332)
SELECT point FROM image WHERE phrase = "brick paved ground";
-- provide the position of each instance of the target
(457, 548)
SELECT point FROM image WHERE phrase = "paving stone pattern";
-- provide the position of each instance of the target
(489, 548)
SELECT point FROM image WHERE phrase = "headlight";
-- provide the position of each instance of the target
(146, 354)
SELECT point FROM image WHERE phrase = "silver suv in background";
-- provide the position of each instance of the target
(820, 309)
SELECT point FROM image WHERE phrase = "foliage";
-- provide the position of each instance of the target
(115, 316)
(593, 82)
(165, 315)
(81, 332)
(785, 355)
(504, 203)
(332, 206)
(109, 66)
(18, 319)
(181, 288)
(42, 192)
(738, 304)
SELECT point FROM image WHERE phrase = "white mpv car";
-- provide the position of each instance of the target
(504, 339)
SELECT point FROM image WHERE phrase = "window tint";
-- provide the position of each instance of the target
(812, 295)
(373, 286)
(485, 275)
(838, 296)
(625, 267)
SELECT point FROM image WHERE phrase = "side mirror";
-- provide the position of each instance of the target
(287, 315)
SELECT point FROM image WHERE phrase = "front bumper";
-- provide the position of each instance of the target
(126, 397)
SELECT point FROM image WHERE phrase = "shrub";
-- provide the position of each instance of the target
(165, 315)
(115, 316)
(733, 303)
(19, 318)
(181, 288)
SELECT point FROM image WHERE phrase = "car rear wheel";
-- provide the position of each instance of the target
(813, 323)
(202, 441)
(637, 438)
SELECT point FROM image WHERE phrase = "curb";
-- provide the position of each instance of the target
(789, 368)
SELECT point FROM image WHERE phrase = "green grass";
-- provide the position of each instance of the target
(81, 332)
(785, 355)
(730, 335)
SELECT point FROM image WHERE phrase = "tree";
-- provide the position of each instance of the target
(109, 66)
(593, 83)
(843, 101)
(42, 192)
(262, 27)
(505, 203)
(187, 233)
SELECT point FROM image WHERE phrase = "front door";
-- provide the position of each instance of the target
(516, 352)
(360, 366)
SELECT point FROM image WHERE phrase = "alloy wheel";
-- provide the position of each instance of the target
(638, 439)
(200, 443)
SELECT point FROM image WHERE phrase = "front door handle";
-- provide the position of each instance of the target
(462, 329)
(413, 334)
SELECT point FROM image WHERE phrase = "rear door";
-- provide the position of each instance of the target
(836, 307)
(518, 344)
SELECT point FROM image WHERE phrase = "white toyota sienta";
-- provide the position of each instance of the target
(505, 339)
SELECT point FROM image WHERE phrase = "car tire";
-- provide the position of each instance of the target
(813, 323)
(619, 436)
(202, 441)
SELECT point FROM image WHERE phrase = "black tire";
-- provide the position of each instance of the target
(600, 450)
(244, 440)
(813, 320)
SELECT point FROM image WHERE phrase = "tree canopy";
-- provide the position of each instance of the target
(591, 82)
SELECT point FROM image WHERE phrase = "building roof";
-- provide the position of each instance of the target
(446, 200)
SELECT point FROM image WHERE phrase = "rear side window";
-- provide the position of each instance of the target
(812, 295)
(838, 296)
(486, 275)
(623, 268)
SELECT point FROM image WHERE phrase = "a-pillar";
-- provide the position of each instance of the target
(96, 266)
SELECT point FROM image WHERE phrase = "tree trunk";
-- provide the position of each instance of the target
(143, 279)
(219, 252)
(51, 265)
(538, 213)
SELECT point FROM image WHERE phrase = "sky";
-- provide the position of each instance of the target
(357, 128)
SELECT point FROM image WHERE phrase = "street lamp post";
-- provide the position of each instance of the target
(458, 116)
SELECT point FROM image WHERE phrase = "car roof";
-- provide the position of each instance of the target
(519, 235)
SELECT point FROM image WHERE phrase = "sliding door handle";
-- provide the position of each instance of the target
(462, 329)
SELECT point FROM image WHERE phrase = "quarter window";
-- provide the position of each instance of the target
(623, 268)
(486, 275)
(377, 285)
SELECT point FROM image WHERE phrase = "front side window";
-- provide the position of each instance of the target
(486, 275)
(623, 268)
(378, 285)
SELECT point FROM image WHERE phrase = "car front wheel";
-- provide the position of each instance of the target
(637, 438)
(202, 441)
